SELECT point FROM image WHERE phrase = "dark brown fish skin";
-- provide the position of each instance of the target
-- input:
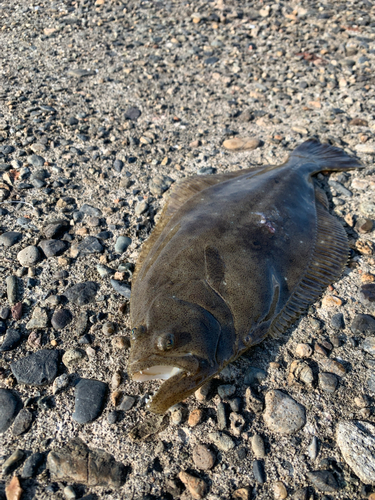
(225, 267)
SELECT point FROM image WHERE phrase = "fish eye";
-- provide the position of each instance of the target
(165, 342)
(136, 332)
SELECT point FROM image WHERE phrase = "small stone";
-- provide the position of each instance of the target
(221, 440)
(237, 423)
(113, 417)
(10, 462)
(10, 405)
(140, 208)
(279, 491)
(127, 403)
(32, 465)
(328, 382)
(242, 493)
(257, 445)
(367, 278)
(367, 295)
(337, 321)
(39, 320)
(367, 148)
(122, 244)
(4, 312)
(364, 226)
(121, 342)
(331, 301)
(176, 416)
(283, 414)
(258, 471)
(22, 422)
(29, 256)
(203, 457)
(88, 246)
(202, 393)
(89, 400)
(17, 311)
(116, 380)
(323, 480)
(35, 160)
(117, 165)
(121, 288)
(12, 339)
(312, 449)
(13, 490)
(254, 376)
(72, 357)
(109, 328)
(253, 403)
(76, 462)
(245, 144)
(61, 319)
(301, 494)
(104, 270)
(195, 417)
(368, 345)
(82, 293)
(363, 323)
(332, 366)
(226, 391)
(39, 368)
(303, 350)
(51, 248)
(368, 208)
(12, 289)
(159, 184)
(10, 238)
(197, 487)
(60, 383)
(221, 416)
(132, 113)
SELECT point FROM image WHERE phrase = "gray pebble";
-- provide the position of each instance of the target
(89, 245)
(10, 238)
(22, 422)
(122, 244)
(367, 295)
(337, 321)
(39, 368)
(104, 271)
(89, 400)
(363, 323)
(257, 445)
(313, 449)
(323, 480)
(12, 339)
(32, 466)
(328, 382)
(340, 188)
(35, 160)
(112, 417)
(203, 457)
(226, 391)
(141, 207)
(258, 471)
(254, 376)
(61, 319)
(60, 383)
(82, 293)
(4, 312)
(117, 165)
(51, 248)
(282, 413)
(221, 440)
(221, 416)
(12, 289)
(90, 210)
(39, 320)
(121, 288)
(29, 256)
(11, 461)
(127, 403)
(10, 405)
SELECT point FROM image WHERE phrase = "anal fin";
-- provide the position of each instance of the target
(326, 264)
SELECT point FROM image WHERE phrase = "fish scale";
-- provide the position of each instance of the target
(234, 258)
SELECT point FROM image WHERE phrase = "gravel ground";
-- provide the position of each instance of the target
(104, 105)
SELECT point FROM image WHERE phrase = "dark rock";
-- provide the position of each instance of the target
(328, 382)
(22, 422)
(33, 465)
(117, 165)
(53, 247)
(337, 321)
(90, 210)
(82, 293)
(82, 322)
(10, 405)
(89, 400)
(55, 228)
(104, 235)
(17, 311)
(89, 245)
(254, 376)
(77, 463)
(363, 323)
(323, 480)
(211, 60)
(121, 288)
(122, 244)
(10, 238)
(7, 150)
(61, 319)
(221, 416)
(35, 160)
(4, 312)
(258, 471)
(113, 417)
(132, 113)
(12, 339)
(39, 368)
(367, 295)
(301, 494)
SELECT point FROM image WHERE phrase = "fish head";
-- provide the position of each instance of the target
(176, 342)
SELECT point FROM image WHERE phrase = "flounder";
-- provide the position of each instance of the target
(234, 258)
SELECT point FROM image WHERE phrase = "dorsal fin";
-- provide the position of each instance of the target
(326, 264)
(178, 196)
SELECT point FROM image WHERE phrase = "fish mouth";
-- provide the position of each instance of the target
(157, 372)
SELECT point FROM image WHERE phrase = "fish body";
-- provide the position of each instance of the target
(234, 258)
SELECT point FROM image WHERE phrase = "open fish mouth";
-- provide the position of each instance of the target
(158, 372)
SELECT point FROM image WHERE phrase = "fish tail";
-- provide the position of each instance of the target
(325, 157)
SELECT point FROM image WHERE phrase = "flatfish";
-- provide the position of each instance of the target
(234, 258)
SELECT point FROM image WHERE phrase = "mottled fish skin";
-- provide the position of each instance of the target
(234, 258)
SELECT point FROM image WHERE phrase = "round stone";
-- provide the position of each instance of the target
(203, 457)
(122, 244)
(61, 319)
(283, 414)
(29, 256)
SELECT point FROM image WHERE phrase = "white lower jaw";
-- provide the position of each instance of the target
(158, 372)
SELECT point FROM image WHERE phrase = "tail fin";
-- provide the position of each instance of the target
(325, 157)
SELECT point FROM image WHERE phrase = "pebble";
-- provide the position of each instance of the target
(203, 457)
(279, 491)
(72, 357)
(121, 288)
(202, 393)
(301, 494)
(22, 422)
(12, 289)
(117, 165)
(82, 294)
(10, 462)
(76, 462)
(313, 449)
(197, 487)
(226, 391)
(221, 440)
(367, 148)
(254, 376)
(368, 208)
(10, 405)
(159, 184)
(51, 248)
(368, 345)
(337, 321)
(303, 350)
(127, 403)
(89, 400)
(39, 319)
(258, 471)
(10, 238)
(241, 144)
(122, 244)
(237, 423)
(60, 383)
(17, 311)
(176, 416)
(221, 416)
(331, 301)
(4, 312)
(195, 417)
(39, 368)
(104, 271)
(89, 245)
(328, 382)
(133, 113)
(29, 256)
(35, 160)
(364, 226)
(363, 323)
(33, 465)
(12, 339)
(61, 319)
(243, 493)
(253, 403)
(141, 208)
(113, 417)
(257, 445)
(323, 480)
(282, 413)
(109, 328)
(332, 366)
(356, 440)
(13, 490)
